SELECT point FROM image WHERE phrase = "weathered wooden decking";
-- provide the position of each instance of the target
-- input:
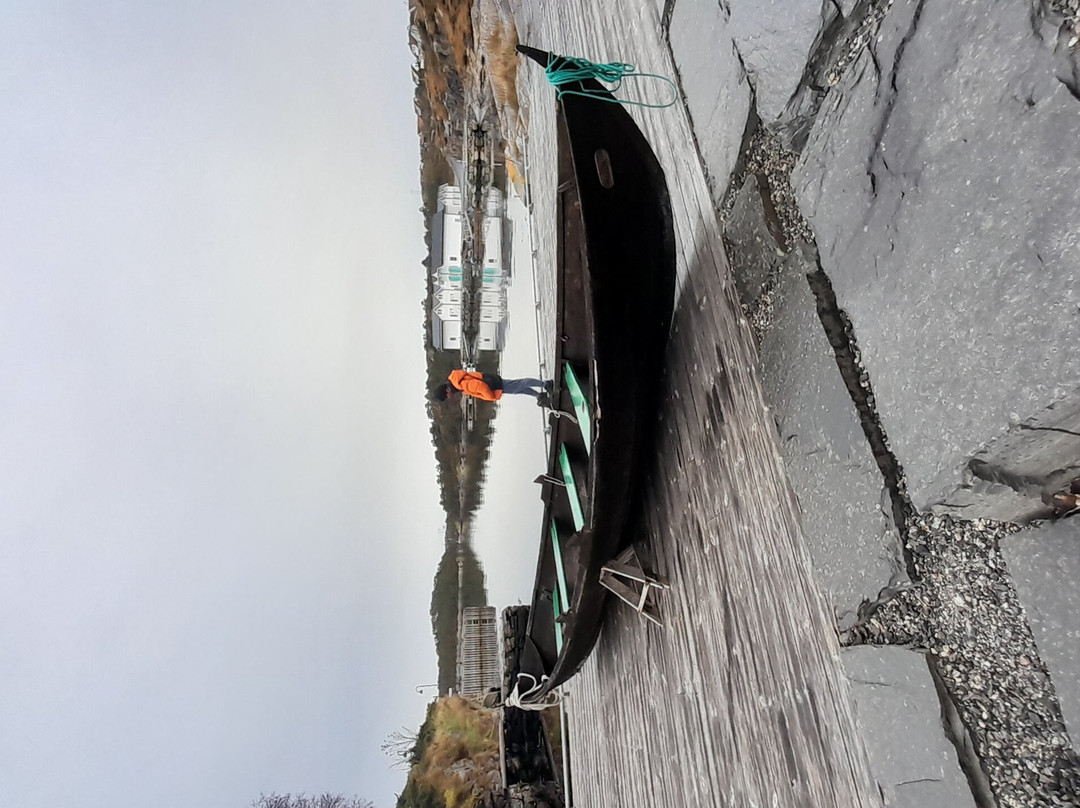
(740, 699)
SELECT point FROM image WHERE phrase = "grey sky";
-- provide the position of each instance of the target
(218, 515)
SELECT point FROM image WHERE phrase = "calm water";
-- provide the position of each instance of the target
(740, 700)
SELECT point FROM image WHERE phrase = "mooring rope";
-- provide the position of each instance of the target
(517, 696)
(571, 69)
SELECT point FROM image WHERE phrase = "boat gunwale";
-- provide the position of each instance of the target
(588, 592)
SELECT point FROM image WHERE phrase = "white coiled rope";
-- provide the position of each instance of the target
(517, 699)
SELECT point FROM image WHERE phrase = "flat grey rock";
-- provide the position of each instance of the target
(1015, 477)
(714, 85)
(942, 181)
(853, 542)
(750, 248)
(898, 709)
(1044, 563)
(774, 37)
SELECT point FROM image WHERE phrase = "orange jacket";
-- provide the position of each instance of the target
(473, 384)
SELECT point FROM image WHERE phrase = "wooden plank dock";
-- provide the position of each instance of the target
(739, 700)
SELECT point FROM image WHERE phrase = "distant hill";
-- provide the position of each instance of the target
(444, 605)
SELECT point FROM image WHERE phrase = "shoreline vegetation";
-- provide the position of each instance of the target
(454, 761)
(441, 36)
(463, 51)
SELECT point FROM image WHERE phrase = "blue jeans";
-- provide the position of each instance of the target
(523, 387)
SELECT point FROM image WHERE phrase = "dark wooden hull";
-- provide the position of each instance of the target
(616, 282)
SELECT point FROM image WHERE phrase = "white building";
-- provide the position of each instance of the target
(446, 232)
(479, 654)
(446, 250)
(491, 335)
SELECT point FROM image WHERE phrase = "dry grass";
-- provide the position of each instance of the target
(446, 37)
(452, 20)
(513, 173)
(501, 60)
(460, 34)
(463, 731)
(436, 86)
(502, 63)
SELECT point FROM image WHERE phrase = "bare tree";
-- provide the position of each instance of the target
(312, 801)
(399, 746)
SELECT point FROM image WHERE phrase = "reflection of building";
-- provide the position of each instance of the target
(446, 267)
(479, 660)
(491, 335)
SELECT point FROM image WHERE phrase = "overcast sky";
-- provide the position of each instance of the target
(218, 516)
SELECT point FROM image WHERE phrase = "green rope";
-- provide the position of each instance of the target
(574, 69)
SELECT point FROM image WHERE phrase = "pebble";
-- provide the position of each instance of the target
(772, 163)
(963, 610)
(858, 39)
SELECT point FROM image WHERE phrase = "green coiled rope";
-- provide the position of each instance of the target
(572, 69)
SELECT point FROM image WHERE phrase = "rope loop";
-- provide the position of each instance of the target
(573, 69)
(517, 697)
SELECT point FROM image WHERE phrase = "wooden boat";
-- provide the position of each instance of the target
(615, 295)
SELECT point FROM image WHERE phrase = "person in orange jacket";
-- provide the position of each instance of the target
(490, 387)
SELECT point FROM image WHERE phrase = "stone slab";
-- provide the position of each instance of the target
(942, 181)
(715, 89)
(853, 542)
(846, 7)
(773, 38)
(1044, 562)
(1014, 478)
(898, 710)
(750, 247)
(845, 518)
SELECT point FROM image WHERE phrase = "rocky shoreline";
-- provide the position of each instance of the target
(929, 573)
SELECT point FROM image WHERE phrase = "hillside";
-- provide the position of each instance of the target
(444, 605)
(455, 761)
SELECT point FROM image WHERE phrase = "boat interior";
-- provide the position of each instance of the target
(566, 486)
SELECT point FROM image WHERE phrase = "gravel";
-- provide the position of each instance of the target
(851, 46)
(1069, 9)
(766, 157)
(962, 609)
